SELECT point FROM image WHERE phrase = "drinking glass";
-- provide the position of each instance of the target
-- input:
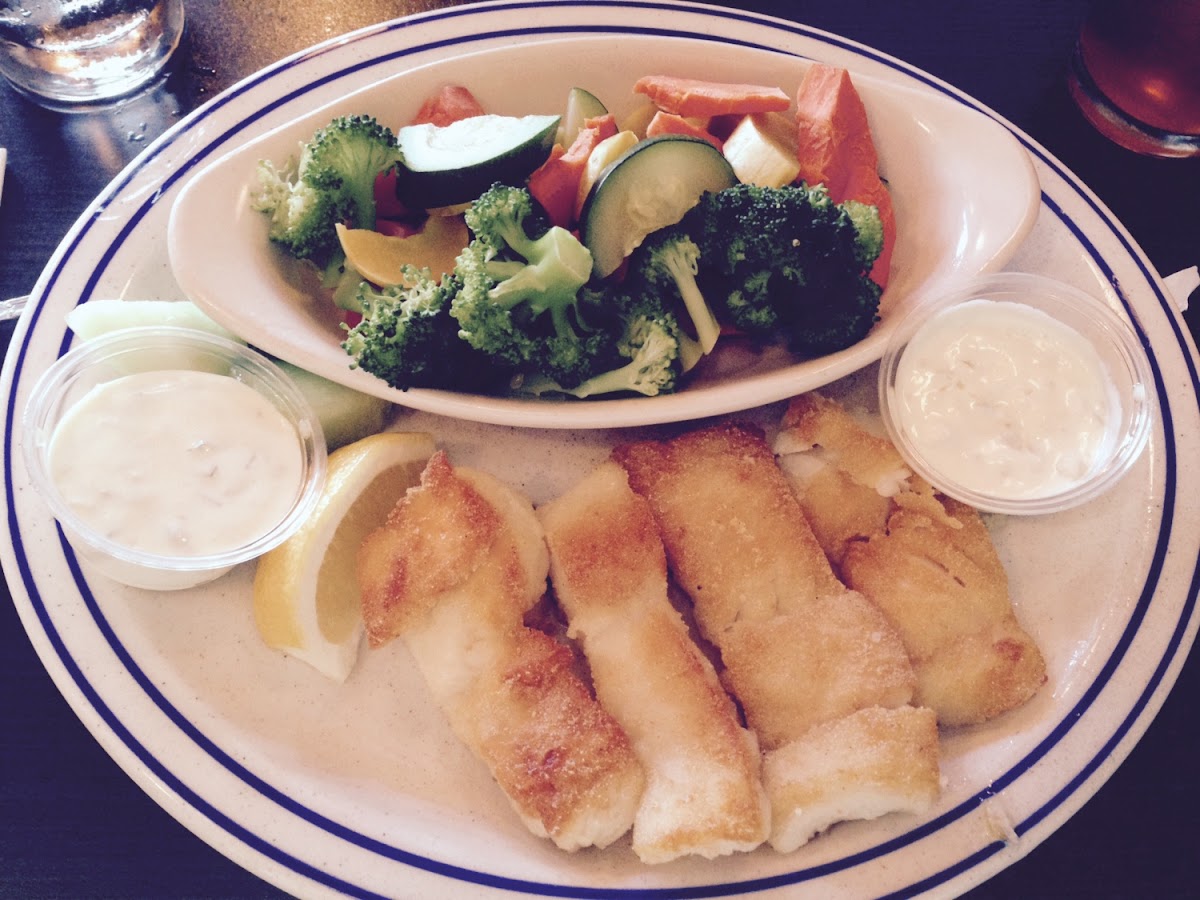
(68, 54)
(1136, 74)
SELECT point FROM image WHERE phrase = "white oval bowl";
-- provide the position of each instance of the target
(964, 189)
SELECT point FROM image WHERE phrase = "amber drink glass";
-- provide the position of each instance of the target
(1136, 74)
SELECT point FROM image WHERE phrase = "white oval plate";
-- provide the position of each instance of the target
(964, 189)
(359, 789)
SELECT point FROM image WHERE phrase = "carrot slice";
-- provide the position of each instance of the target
(873, 191)
(550, 183)
(669, 123)
(831, 125)
(835, 148)
(555, 183)
(605, 125)
(449, 104)
(696, 97)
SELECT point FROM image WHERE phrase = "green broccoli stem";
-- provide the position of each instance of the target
(683, 268)
(626, 378)
(648, 372)
(512, 232)
(346, 288)
(558, 267)
(690, 352)
(363, 204)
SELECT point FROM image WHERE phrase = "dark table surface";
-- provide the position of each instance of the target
(73, 825)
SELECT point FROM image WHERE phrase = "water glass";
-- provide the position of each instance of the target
(69, 54)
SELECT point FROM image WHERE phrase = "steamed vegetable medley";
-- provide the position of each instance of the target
(573, 254)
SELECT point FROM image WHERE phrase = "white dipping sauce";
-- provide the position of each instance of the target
(1004, 399)
(177, 463)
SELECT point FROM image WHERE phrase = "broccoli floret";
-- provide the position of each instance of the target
(652, 348)
(747, 302)
(408, 338)
(869, 227)
(343, 281)
(302, 217)
(333, 181)
(652, 353)
(522, 300)
(789, 262)
(667, 260)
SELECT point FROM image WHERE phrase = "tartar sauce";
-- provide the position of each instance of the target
(178, 463)
(1004, 399)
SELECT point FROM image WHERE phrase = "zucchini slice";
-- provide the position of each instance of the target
(650, 187)
(455, 163)
(581, 106)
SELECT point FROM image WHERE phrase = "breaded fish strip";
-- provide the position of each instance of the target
(794, 671)
(459, 562)
(946, 591)
(734, 536)
(799, 651)
(848, 480)
(704, 793)
(927, 561)
(862, 766)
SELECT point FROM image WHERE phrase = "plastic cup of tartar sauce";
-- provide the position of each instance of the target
(1016, 393)
(170, 455)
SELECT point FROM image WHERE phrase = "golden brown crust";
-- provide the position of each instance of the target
(434, 539)
(920, 576)
(459, 562)
(802, 654)
(704, 794)
(553, 750)
(926, 560)
(839, 509)
(946, 592)
(814, 420)
(735, 537)
(981, 675)
(603, 542)
(869, 763)
(793, 672)
(847, 479)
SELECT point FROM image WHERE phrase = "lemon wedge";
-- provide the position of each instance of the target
(380, 258)
(306, 598)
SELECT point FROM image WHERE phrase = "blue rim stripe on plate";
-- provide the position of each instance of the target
(155, 766)
(710, 890)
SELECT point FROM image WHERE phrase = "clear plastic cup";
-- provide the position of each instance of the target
(1130, 390)
(152, 350)
(66, 54)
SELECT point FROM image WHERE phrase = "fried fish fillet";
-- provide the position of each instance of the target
(945, 590)
(867, 764)
(848, 480)
(927, 561)
(459, 562)
(704, 793)
(799, 651)
(796, 670)
(728, 518)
